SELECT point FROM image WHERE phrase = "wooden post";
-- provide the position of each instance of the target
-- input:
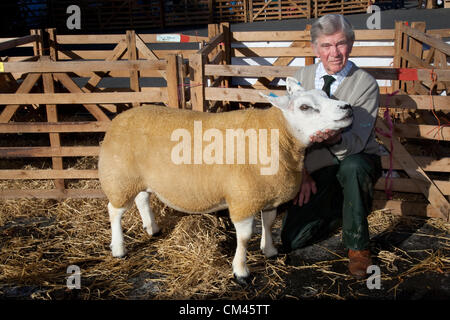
(225, 29)
(415, 48)
(181, 70)
(315, 8)
(210, 11)
(172, 82)
(309, 60)
(52, 116)
(38, 46)
(197, 76)
(308, 9)
(132, 55)
(280, 16)
(52, 43)
(398, 42)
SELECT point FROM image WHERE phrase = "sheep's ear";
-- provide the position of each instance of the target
(293, 85)
(281, 102)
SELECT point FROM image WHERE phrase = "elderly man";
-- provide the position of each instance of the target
(341, 169)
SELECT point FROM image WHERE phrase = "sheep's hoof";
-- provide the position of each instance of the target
(157, 234)
(119, 253)
(243, 281)
(272, 257)
(153, 234)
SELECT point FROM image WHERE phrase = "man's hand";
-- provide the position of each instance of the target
(328, 136)
(308, 185)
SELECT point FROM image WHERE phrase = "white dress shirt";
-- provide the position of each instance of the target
(340, 76)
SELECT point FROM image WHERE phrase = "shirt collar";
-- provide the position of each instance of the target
(339, 75)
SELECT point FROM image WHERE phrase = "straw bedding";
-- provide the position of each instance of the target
(191, 259)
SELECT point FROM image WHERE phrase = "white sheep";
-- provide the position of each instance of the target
(178, 155)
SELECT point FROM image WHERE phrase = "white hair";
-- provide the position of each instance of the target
(330, 24)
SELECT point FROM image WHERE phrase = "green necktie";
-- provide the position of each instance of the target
(328, 81)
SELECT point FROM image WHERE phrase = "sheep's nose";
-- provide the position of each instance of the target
(348, 108)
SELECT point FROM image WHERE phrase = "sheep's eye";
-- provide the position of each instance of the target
(304, 107)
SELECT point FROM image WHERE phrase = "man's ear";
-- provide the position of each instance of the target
(293, 85)
(315, 49)
(281, 102)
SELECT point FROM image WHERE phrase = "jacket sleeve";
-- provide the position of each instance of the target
(365, 110)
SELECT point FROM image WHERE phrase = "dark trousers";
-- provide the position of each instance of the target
(344, 198)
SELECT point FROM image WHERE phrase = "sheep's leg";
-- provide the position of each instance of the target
(115, 217)
(267, 247)
(244, 231)
(146, 212)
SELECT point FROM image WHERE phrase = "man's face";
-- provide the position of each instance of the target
(333, 50)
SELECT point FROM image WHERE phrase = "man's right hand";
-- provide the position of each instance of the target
(328, 136)
(307, 187)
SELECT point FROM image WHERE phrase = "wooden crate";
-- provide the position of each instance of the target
(323, 7)
(188, 12)
(105, 15)
(261, 10)
(231, 11)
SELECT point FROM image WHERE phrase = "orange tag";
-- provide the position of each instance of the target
(407, 74)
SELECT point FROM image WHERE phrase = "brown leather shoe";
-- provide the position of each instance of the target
(360, 260)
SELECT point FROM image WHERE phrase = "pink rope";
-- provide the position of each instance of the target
(387, 117)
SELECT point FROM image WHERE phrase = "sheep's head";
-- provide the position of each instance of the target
(309, 111)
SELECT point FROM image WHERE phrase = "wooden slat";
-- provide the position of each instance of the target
(406, 185)
(60, 127)
(16, 42)
(52, 194)
(23, 152)
(74, 89)
(213, 43)
(422, 131)
(415, 102)
(102, 54)
(114, 38)
(238, 95)
(428, 188)
(150, 95)
(25, 87)
(249, 71)
(69, 66)
(286, 71)
(374, 51)
(360, 35)
(425, 38)
(95, 79)
(48, 174)
(427, 164)
(407, 208)
(398, 101)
